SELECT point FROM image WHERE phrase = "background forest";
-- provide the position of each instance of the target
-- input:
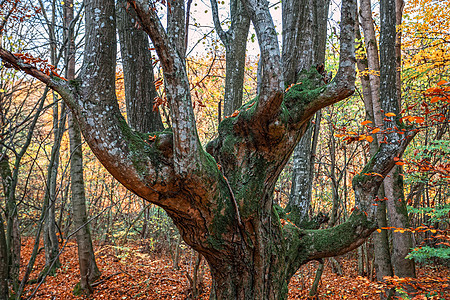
(129, 248)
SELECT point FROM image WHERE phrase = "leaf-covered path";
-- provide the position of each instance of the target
(129, 272)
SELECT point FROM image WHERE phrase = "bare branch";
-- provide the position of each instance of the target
(215, 13)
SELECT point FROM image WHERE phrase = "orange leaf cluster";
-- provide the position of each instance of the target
(40, 64)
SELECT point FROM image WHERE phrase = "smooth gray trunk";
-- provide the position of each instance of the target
(89, 271)
(402, 243)
(235, 42)
(370, 66)
(4, 289)
(51, 244)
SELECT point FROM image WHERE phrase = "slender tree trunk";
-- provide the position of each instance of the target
(398, 217)
(89, 271)
(402, 243)
(235, 41)
(13, 239)
(371, 85)
(51, 243)
(4, 289)
(9, 182)
(88, 268)
(373, 61)
(315, 285)
(304, 41)
(301, 187)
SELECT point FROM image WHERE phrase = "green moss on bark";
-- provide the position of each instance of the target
(328, 240)
(141, 148)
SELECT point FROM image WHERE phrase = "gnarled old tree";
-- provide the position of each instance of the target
(221, 196)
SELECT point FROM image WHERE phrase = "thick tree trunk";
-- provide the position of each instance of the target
(221, 202)
(258, 271)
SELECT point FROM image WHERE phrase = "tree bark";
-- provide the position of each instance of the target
(235, 41)
(51, 244)
(140, 91)
(393, 184)
(370, 67)
(4, 289)
(304, 40)
(89, 271)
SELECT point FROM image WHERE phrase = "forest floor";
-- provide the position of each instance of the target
(129, 272)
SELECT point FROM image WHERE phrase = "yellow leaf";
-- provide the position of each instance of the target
(389, 114)
(379, 230)
(2, 90)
